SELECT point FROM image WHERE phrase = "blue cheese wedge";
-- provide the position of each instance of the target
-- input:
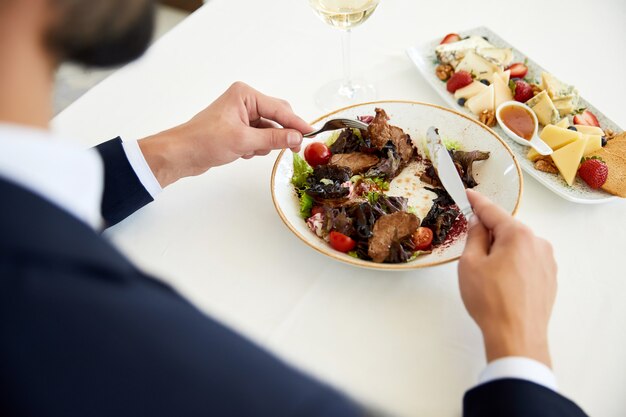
(557, 89)
(544, 109)
(499, 56)
(453, 53)
(565, 105)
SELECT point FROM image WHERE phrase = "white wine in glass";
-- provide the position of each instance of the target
(344, 15)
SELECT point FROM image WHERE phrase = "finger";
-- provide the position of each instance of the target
(279, 111)
(247, 157)
(261, 153)
(270, 139)
(478, 239)
(492, 216)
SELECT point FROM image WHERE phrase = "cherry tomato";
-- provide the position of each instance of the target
(317, 210)
(317, 154)
(341, 242)
(422, 238)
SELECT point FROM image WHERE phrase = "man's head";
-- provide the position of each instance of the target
(101, 32)
(91, 32)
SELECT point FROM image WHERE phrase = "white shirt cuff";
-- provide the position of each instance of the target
(141, 167)
(518, 367)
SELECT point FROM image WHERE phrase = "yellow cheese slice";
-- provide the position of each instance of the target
(564, 123)
(594, 143)
(482, 101)
(469, 91)
(555, 137)
(567, 159)
(589, 130)
(478, 66)
(506, 76)
(501, 90)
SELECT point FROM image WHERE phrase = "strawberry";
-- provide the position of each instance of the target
(459, 80)
(586, 118)
(450, 37)
(518, 70)
(594, 172)
(522, 91)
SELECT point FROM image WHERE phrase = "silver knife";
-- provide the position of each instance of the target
(448, 174)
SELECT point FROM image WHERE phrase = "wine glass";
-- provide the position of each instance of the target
(344, 15)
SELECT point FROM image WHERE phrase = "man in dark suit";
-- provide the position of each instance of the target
(85, 333)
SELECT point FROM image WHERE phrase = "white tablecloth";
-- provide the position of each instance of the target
(402, 341)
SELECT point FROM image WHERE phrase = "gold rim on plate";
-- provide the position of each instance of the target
(384, 266)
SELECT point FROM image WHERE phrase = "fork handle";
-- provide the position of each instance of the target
(313, 133)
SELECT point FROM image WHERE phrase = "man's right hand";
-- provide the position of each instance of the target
(507, 277)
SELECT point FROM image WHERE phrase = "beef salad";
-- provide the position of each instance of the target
(343, 187)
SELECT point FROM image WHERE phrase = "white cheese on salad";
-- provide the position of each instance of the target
(408, 184)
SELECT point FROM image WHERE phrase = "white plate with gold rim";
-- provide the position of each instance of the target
(423, 57)
(499, 177)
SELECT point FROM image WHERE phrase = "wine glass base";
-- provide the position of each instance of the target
(338, 94)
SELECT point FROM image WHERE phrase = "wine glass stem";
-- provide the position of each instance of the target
(346, 89)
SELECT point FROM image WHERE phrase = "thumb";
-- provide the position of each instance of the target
(274, 138)
(478, 238)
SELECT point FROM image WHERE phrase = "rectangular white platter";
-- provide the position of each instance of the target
(425, 60)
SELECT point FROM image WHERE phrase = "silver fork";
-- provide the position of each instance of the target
(335, 124)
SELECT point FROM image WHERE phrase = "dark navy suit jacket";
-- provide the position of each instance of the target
(85, 333)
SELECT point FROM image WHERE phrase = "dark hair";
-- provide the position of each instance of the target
(100, 32)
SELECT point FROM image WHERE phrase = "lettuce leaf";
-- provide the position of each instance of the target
(301, 171)
(306, 204)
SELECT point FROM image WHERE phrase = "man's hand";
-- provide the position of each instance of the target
(242, 123)
(507, 277)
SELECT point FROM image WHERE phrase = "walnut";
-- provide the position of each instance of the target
(609, 134)
(488, 117)
(546, 165)
(444, 71)
(536, 89)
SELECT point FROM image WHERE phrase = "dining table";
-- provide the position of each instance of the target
(400, 342)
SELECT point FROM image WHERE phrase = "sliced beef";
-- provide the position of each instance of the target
(358, 162)
(389, 229)
(403, 143)
(380, 132)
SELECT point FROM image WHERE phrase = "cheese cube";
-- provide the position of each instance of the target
(477, 66)
(594, 143)
(469, 91)
(555, 137)
(564, 123)
(567, 159)
(589, 130)
(482, 101)
(501, 89)
(544, 109)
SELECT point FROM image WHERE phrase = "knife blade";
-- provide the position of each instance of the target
(448, 174)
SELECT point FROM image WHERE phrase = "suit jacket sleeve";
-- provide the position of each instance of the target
(123, 191)
(517, 398)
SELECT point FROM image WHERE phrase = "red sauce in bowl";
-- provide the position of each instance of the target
(519, 120)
